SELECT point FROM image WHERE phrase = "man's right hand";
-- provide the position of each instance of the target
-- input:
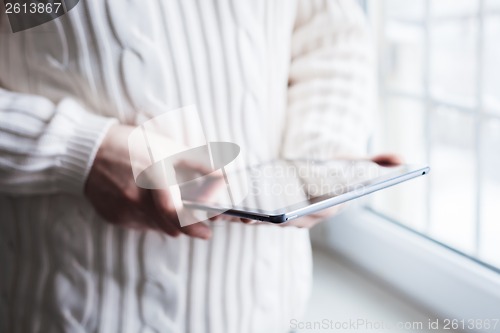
(111, 189)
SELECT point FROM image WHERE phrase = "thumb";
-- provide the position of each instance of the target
(198, 230)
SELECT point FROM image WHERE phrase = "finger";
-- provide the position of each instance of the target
(197, 230)
(172, 217)
(193, 166)
(133, 218)
(206, 188)
(211, 184)
(254, 222)
(162, 201)
(216, 218)
(139, 220)
(167, 227)
(164, 212)
(387, 160)
(232, 219)
(212, 179)
(306, 222)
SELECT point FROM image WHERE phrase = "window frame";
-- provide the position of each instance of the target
(432, 275)
(376, 13)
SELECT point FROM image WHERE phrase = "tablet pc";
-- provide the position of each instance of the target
(282, 190)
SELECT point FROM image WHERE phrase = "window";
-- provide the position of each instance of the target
(439, 83)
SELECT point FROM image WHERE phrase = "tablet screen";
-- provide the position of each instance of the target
(280, 186)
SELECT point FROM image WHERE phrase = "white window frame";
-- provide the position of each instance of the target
(445, 282)
(477, 111)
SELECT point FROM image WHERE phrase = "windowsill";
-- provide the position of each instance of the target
(439, 280)
(342, 293)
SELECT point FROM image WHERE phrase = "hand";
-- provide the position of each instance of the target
(387, 160)
(112, 191)
(309, 221)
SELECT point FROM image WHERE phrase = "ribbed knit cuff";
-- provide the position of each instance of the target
(85, 134)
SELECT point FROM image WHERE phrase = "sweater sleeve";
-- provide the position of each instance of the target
(330, 96)
(46, 147)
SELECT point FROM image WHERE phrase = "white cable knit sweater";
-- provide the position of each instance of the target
(277, 77)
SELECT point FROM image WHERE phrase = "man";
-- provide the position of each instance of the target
(280, 78)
